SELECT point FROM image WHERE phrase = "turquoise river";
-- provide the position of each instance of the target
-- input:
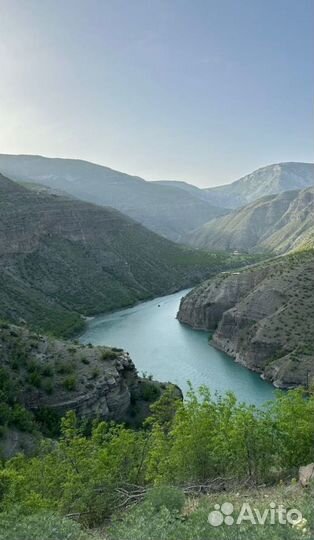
(161, 346)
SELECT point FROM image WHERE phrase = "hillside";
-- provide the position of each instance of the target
(165, 209)
(60, 258)
(262, 182)
(262, 316)
(277, 223)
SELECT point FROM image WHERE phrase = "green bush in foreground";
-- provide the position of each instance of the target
(41, 526)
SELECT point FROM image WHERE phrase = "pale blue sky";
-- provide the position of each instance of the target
(198, 90)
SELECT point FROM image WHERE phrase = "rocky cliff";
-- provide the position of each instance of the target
(262, 316)
(42, 378)
(61, 375)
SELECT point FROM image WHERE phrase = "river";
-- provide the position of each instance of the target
(161, 346)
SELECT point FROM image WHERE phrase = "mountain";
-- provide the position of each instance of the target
(185, 186)
(61, 258)
(277, 223)
(165, 209)
(262, 316)
(265, 181)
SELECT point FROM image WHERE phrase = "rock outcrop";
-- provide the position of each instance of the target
(62, 375)
(262, 316)
(306, 474)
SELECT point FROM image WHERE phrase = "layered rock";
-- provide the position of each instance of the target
(262, 316)
(61, 375)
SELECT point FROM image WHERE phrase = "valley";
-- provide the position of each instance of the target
(156, 270)
(116, 376)
(62, 260)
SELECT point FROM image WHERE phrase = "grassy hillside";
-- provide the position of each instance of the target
(60, 258)
(277, 223)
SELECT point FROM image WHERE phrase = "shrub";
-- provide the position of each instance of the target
(70, 383)
(166, 496)
(44, 525)
(149, 391)
(21, 418)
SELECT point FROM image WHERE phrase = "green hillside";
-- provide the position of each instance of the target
(276, 223)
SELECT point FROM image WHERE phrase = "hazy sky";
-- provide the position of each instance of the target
(198, 90)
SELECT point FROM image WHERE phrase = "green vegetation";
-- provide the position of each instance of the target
(41, 526)
(12, 413)
(183, 444)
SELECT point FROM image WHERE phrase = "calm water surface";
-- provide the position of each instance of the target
(161, 346)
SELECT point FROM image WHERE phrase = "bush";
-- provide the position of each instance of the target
(166, 496)
(21, 418)
(42, 526)
(149, 391)
(70, 383)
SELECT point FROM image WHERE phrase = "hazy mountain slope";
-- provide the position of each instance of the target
(262, 316)
(185, 186)
(295, 229)
(276, 223)
(265, 181)
(167, 210)
(61, 257)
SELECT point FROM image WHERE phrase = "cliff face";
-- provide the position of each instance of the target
(262, 316)
(60, 375)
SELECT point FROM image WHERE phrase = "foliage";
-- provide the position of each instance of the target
(44, 525)
(203, 438)
(166, 496)
(11, 412)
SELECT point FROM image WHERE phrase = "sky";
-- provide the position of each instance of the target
(197, 90)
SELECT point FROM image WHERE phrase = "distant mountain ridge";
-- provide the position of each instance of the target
(268, 180)
(165, 209)
(276, 223)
